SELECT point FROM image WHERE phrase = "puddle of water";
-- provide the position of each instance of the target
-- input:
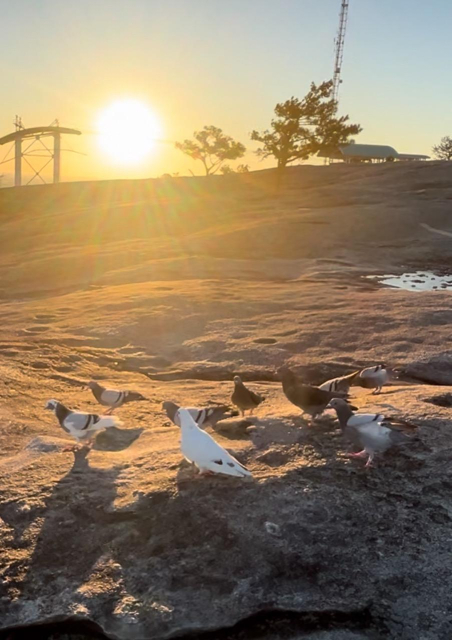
(416, 281)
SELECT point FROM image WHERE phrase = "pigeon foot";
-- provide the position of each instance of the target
(205, 472)
(361, 454)
(72, 447)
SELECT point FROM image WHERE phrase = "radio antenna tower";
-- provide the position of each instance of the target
(339, 48)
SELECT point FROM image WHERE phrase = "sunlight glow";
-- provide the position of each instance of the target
(127, 131)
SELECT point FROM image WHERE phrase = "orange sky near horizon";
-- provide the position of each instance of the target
(209, 62)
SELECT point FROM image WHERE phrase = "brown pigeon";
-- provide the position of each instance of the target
(308, 398)
(243, 398)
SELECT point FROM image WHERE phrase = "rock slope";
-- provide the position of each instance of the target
(170, 288)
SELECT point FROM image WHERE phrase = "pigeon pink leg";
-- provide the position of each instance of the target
(369, 461)
(361, 454)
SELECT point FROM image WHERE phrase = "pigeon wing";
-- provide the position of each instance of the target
(374, 437)
(256, 398)
(78, 423)
(359, 419)
(111, 396)
(376, 375)
(330, 385)
(369, 372)
(342, 383)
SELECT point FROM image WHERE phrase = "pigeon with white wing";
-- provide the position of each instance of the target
(82, 426)
(208, 416)
(113, 398)
(343, 383)
(371, 432)
(200, 448)
(373, 378)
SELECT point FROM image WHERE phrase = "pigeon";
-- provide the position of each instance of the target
(203, 417)
(309, 399)
(244, 398)
(200, 448)
(369, 431)
(339, 384)
(82, 426)
(112, 398)
(372, 378)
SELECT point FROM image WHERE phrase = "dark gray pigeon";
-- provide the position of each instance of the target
(243, 398)
(111, 397)
(203, 417)
(308, 398)
(371, 432)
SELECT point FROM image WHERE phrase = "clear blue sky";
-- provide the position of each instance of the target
(227, 63)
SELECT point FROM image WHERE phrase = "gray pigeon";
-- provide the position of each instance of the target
(82, 426)
(243, 398)
(372, 378)
(111, 397)
(343, 383)
(309, 399)
(371, 432)
(203, 417)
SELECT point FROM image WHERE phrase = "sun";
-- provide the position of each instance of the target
(127, 131)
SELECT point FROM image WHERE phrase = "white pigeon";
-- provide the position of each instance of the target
(373, 378)
(367, 431)
(200, 448)
(82, 426)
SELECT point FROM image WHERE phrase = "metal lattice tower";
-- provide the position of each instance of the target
(34, 136)
(339, 48)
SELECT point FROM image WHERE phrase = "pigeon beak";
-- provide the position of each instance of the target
(352, 407)
(328, 406)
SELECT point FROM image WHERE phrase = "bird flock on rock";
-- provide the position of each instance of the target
(371, 433)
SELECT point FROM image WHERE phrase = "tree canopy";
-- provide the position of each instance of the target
(212, 147)
(304, 127)
(443, 150)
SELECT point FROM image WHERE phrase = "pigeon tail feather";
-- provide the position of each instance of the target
(231, 468)
(106, 422)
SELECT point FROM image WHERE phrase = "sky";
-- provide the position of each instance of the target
(200, 62)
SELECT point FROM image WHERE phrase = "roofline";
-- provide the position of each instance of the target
(413, 155)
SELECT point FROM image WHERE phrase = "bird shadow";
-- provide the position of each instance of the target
(66, 549)
(386, 393)
(234, 429)
(116, 439)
